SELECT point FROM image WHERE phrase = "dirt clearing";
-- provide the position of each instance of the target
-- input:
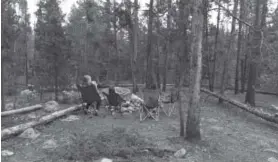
(228, 134)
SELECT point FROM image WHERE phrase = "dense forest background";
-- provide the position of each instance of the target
(119, 42)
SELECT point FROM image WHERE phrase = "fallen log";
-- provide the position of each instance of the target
(8, 132)
(22, 110)
(259, 113)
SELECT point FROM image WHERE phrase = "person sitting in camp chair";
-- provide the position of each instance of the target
(151, 106)
(115, 101)
(90, 94)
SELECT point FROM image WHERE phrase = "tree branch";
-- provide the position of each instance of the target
(235, 17)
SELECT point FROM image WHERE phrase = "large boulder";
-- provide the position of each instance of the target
(51, 106)
(5, 153)
(272, 159)
(30, 133)
(180, 153)
(50, 144)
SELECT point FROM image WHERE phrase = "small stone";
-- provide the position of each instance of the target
(217, 128)
(180, 153)
(30, 133)
(51, 106)
(212, 120)
(9, 106)
(71, 118)
(32, 115)
(49, 144)
(6, 153)
(104, 160)
(272, 159)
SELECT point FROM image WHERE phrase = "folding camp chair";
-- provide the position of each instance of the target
(151, 105)
(169, 99)
(90, 96)
(115, 101)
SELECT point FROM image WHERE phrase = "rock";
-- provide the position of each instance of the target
(6, 153)
(180, 153)
(217, 128)
(51, 106)
(272, 159)
(9, 106)
(212, 120)
(49, 144)
(275, 107)
(32, 115)
(136, 98)
(30, 133)
(104, 160)
(71, 118)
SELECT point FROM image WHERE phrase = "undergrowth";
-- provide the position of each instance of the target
(116, 143)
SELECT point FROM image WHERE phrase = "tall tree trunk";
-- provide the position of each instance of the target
(241, 16)
(167, 53)
(256, 52)
(135, 48)
(157, 65)
(215, 50)
(56, 68)
(116, 42)
(207, 70)
(182, 57)
(231, 43)
(244, 62)
(149, 77)
(193, 118)
(2, 86)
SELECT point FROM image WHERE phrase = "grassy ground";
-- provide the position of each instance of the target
(228, 134)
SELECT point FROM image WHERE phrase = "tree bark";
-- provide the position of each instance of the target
(9, 132)
(207, 70)
(117, 75)
(135, 48)
(22, 110)
(244, 64)
(231, 43)
(149, 77)
(167, 53)
(256, 52)
(56, 75)
(193, 118)
(242, 7)
(215, 50)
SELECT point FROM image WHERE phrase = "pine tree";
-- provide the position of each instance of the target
(50, 43)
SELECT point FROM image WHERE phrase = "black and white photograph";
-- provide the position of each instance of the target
(139, 81)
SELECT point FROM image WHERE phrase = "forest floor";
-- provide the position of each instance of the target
(228, 134)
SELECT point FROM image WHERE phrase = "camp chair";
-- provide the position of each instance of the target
(89, 96)
(115, 101)
(169, 99)
(151, 105)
